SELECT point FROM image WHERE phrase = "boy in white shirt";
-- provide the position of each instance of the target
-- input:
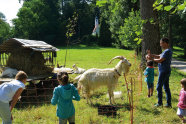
(11, 91)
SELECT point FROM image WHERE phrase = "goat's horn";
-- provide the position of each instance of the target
(117, 57)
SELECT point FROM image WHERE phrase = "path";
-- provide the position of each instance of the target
(180, 65)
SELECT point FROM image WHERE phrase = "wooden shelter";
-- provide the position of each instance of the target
(36, 58)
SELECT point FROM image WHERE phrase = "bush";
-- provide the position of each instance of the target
(89, 40)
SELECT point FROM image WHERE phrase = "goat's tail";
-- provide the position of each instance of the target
(79, 87)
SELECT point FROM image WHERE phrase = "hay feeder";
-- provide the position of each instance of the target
(36, 58)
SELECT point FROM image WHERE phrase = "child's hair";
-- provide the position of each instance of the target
(183, 82)
(21, 75)
(150, 63)
(63, 77)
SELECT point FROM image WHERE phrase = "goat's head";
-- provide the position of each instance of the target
(123, 65)
(74, 65)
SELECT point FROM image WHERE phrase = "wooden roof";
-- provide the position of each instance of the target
(35, 45)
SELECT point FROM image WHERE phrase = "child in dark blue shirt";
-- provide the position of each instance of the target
(149, 77)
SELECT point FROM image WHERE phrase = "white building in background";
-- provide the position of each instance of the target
(96, 28)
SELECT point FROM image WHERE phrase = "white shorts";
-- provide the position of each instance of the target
(181, 112)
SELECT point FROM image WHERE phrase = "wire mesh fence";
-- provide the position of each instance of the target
(40, 92)
(37, 93)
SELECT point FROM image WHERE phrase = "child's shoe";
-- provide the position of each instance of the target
(184, 120)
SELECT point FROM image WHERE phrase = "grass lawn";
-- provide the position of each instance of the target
(178, 53)
(97, 57)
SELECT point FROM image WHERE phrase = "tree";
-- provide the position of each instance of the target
(130, 33)
(105, 38)
(175, 14)
(178, 29)
(36, 23)
(85, 11)
(5, 31)
(115, 12)
(151, 34)
(49, 23)
(2, 16)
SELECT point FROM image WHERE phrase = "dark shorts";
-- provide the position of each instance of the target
(150, 85)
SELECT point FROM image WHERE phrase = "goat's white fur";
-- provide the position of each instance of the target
(9, 72)
(78, 70)
(76, 79)
(94, 78)
(68, 70)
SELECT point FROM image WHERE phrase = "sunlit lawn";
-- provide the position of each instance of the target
(98, 57)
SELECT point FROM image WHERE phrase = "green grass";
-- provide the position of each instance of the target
(178, 53)
(97, 57)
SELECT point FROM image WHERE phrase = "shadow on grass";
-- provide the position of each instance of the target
(154, 110)
(110, 110)
(181, 57)
(80, 47)
(117, 106)
(29, 105)
(174, 100)
(97, 95)
(175, 108)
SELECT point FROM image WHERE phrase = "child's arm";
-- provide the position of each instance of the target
(146, 72)
(55, 96)
(182, 97)
(76, 95)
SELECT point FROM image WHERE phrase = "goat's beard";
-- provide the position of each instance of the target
(126, 70)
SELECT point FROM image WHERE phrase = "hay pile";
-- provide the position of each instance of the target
(32, 62)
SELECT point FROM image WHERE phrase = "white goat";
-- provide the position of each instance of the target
(9, 72)
(94, 78)
(76, 79)
(78, 70)
(68, 70)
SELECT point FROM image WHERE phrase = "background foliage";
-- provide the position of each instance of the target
(119, 20)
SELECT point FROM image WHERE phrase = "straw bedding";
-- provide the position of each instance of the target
(32, 62)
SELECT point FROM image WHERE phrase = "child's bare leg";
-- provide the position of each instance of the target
(151, 91)
(182, 118)
(148, 93)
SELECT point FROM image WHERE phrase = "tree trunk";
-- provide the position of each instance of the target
(151, 33)
(170, 32)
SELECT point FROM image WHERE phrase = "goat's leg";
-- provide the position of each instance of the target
(88, 99)
(87, 92)
(111, 96)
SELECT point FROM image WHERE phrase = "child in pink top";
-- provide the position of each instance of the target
(182, 101)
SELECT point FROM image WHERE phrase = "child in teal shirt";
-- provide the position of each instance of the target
(63, 96)
(149, 77)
